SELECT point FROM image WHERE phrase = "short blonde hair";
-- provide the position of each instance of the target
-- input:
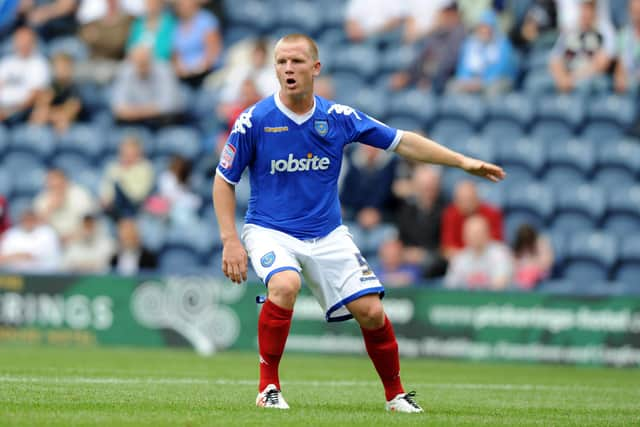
(313, 47)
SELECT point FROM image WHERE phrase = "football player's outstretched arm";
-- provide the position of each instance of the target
(417, 147)
(234, 256)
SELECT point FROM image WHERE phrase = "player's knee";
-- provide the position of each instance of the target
(370, 315)
(284, 286)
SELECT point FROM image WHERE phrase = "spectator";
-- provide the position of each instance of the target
(146, 91)
(60, 104)
(627, 72)
(51, 18)
(30, 246)
(155, 30)
(173, 186)
(5, 221)
(367, 18)
(419, 220)
(539, 25)
(197, 43)
(366, 189)
(21, 76)
(249, 95)
(472, 10)
(437, 60)
(63, 204)
(581, 57)
(486, 61)
(569, 14)
(256, 67)
(105, 32)
(483, 264)
(465, 204)
(533, 257)
(90, 249)
(393, 271)
(131, 256)
(422, 18)
(127, 182)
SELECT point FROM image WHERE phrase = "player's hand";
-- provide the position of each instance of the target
(483, 169)
(234, 261)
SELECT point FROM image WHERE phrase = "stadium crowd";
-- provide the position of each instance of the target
(114, 113)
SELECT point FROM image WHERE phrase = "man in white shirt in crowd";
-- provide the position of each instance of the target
(30, 247)
(22, 74)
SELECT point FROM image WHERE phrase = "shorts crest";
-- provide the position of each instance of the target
(268, 259)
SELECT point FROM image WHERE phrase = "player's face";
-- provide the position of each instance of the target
(296, 68)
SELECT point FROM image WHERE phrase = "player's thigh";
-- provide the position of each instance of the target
(368, 311)
(270, 254)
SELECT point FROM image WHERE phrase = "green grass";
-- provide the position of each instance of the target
(126, 387)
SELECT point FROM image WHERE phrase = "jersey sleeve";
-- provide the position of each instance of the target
(239, 149)
(363, 128)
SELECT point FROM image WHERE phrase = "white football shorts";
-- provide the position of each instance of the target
(333, 267)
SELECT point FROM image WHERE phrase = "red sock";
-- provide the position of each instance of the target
(382, 347)
(273, 330)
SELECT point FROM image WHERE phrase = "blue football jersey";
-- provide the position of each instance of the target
(294, 162)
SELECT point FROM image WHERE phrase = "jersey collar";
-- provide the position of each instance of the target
(295, 117)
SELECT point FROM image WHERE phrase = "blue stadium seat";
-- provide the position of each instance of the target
(566, 109)
(195, 236)
(463, 108)
(525, 154)
(491, 193)
(448, 130)
(84, 139)
(372, 101)
(370, 240)
(623, 210)
(502, 132)
(558, 287)
(616, 110)
(628, 270)
(601, 132)
(253, 13)
(94, 98)
(301, 17)
(178, 140)
(330, 38)
(30, 182)
(70, 162)
(116, 136)
(238, 33)
(619, 10)
(72, 46)
(4, 140)
(153, 231)
(89, 178)
(590, 257)
(531, 202)
(514, 107)
(405, 123)
(559, 244)
(556, 132)
(571, 160)
(415, 104)
(398, 59)
(6, 183)
(475, 146)
(179, 260)
(346, 85)
(617, 162)
(17, 162)
(538, 83)
(38, 140)
(578, 207)
(17, 206)
(361, 59)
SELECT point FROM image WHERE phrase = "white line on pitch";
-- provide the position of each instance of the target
(244, 382)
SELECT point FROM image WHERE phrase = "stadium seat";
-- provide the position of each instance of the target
(178, 140)
(623, 210)
(371, 101)
(502, 132)
(89, 178)
(566, 109)
(346, 85)
(556, 132)
(38, 140)
(17, 206)
(628, 270)
(153, 231)
(84, 139)
(491, 193)
(590, 257)
(611, 109)
(525, 153)
(301, 17)
(601, 132)
(398, 59)
(29, 183)
(179, 260)
(117, 134)
(17, 162)
(361, 59)
(514, 107)
(463, 108)
(415, 104)
(6, 181)
(558, 287)
(70, 161)
(617, 161)
(538, 83)
(532, 202)
(448, 130)
(194, 235)
(72, 46)
(475, 146)
(572, 160)
(578, 207)
(252, 13)
(94, 98)
(4, 140)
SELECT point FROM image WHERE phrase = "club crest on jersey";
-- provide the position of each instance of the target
(228, 154)
(268, 259)
(322, 127)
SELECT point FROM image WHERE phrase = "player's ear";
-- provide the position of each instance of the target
(316, 68)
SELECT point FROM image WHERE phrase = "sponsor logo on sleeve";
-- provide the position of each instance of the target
(228, 154)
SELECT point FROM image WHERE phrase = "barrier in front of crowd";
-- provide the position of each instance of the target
(210, 314)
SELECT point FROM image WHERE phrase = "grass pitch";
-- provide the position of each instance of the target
(126, 387)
